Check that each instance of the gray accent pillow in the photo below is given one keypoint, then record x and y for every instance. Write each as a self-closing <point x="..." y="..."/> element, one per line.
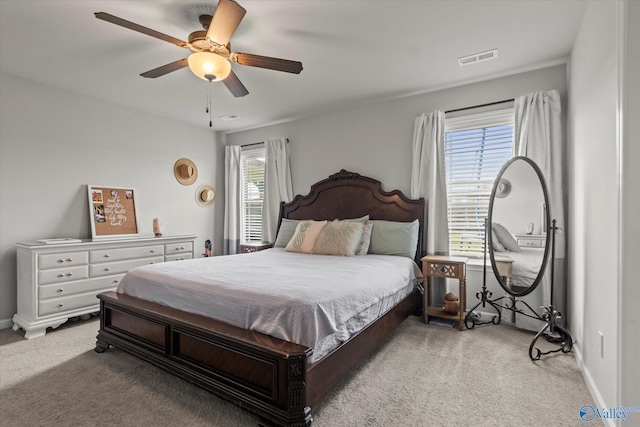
<point x="339" y="238"/>
<point x="497" y="246"/>
<point x="285" y="233"/>
<point x="504" y="237"/>
<point x="394" y="238"/>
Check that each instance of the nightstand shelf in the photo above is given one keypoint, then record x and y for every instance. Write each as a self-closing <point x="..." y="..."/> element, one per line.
<point x="447" y="267"/>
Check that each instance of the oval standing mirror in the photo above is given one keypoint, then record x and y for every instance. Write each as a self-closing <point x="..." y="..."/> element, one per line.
<point x="518" y="226"/>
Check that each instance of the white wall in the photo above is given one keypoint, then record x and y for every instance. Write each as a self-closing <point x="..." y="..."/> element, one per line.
<point x="603" y="256"/>
<point x="629" y="370"/>
<point x="375" y="139"/>
<point x="53" y="143"/>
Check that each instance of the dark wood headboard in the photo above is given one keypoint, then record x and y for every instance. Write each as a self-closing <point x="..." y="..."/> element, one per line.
<point x="351" y="195"/>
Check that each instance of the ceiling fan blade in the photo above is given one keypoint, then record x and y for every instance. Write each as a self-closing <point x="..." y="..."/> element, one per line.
<point x="139" y="28"/>
<point x="224" y="22"/>
<point x="235" y="86"/>
<point x="166" y="69"/>
<point x="277" y="64"/>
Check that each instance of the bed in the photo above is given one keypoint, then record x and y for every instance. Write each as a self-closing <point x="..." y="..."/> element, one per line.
<point x="276" y="378"/>
<point x="523" y="266"/>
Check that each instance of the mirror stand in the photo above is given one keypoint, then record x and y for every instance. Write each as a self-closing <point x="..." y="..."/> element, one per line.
<point x="550" y="315"/>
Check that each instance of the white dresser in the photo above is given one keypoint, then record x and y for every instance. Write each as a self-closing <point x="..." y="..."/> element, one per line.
<point x="59" y="281"/>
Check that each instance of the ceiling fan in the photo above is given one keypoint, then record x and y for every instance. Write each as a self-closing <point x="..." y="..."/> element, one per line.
<point x="211" y="54"/>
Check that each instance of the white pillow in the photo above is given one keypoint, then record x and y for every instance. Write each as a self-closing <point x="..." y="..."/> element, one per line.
<point x="305" y="236"/>
<point x="365" y="240"/>
<point x="505" y="238"/>
<point x="339" y="238"/>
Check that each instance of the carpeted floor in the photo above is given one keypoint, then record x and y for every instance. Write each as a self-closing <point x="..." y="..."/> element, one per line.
<point x="425" y="375"/>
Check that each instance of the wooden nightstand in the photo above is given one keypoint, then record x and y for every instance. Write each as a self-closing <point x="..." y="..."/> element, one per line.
<point x="246" y="248"/>
<point x="448" y="267"/>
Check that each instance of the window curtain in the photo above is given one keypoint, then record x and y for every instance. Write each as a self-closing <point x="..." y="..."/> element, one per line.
<point x="232" y="199"/>
<point x="538" y="136"/>
<point x="429" y="179"/>
<point x="277" y="185"/>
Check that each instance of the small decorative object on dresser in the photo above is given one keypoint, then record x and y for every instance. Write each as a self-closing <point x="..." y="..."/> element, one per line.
<point x="157" y="227"/>
<point x="246" y="248"/>
<point x="60" y="281"/>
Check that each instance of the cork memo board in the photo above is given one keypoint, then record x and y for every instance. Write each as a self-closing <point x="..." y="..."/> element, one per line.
<point x="113" y="211"/>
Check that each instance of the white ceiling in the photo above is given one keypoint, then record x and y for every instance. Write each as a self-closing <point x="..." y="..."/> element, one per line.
<point x="352" y="51"/>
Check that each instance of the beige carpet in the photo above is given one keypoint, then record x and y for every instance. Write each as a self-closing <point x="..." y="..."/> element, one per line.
<point x="426" y="375"/>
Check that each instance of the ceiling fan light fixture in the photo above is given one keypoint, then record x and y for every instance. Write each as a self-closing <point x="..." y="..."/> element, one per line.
<point x="209" y="66"/>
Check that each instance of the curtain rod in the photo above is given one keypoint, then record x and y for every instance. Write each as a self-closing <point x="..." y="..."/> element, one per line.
<point x="479" y="106"/>
<point x="258" y="143"/>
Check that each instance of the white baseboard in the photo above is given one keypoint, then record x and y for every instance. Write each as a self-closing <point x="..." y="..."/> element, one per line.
<point x="593" y="389"/>
<point x="6" y="323"/>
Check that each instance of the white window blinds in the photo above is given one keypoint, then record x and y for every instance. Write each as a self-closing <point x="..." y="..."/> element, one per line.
<point x="252" y="163"/>
<point x="476" y="147"/>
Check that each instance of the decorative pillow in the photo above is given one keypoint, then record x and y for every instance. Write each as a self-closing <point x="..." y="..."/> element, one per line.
<point x="288" y="227"/>
<point x="305" y="236"/>
<point x="394" y="238"/>
<point x="504" y="237"/>
<point x="497" y="246"/>
<point x="365" y="240"/>
<point x="285" y="232"/>
<point x="339" y="238"/>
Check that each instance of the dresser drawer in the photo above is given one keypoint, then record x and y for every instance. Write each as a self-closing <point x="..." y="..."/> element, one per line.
<point x="70" y="288"/>
<point x="108" y="255"/>
<point x="57" y="275"/>
<point x="62" y="259"/>
<point x="178" y="257"/>
<point x="72" y="302"/>
<point x="176" y="248"/>
<point x="109" y="268"/>
<point x="530" y="243"/>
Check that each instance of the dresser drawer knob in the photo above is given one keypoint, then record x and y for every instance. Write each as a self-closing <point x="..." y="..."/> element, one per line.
<point x="60" y="290"/>
<point x="69" y="259"/>
<point x="115" y="280"/>
<point x="179" y="248"/>
<point x="61" y="260"/>
<point x="152" y="262"/>
<point x="60" y="274"/>
<point x="153" y="251"/>
<point x="442" y="269"/>
<point x="107" y="255"/>
<point x="107" y="269"/>
<point x="60" y="305"/>
<point x="69" y="274"/>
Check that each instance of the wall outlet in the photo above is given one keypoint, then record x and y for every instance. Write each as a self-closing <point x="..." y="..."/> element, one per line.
<point x="601" y="344"/>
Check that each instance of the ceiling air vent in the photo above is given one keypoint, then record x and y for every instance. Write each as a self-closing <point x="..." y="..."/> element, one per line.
<point x="229" y="117"/>
<point x="478" y="57"/>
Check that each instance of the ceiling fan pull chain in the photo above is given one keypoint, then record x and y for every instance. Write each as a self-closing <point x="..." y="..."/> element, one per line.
<point x="209" y="101"/>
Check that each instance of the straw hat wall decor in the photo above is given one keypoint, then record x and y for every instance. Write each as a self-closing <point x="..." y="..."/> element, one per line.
<point x="185" y="171"/>
<point x="205" y="194"/>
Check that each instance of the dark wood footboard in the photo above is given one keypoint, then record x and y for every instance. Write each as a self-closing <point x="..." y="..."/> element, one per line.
<point x="267" y="376"/>
<point x="260" y="373"/>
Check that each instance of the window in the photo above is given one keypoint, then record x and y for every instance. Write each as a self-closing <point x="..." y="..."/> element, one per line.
<point x="252" y="164"/>
<point x="476" y="147"/>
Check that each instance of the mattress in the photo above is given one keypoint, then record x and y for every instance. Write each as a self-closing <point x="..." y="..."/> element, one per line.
<point x="318" y="301"/>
